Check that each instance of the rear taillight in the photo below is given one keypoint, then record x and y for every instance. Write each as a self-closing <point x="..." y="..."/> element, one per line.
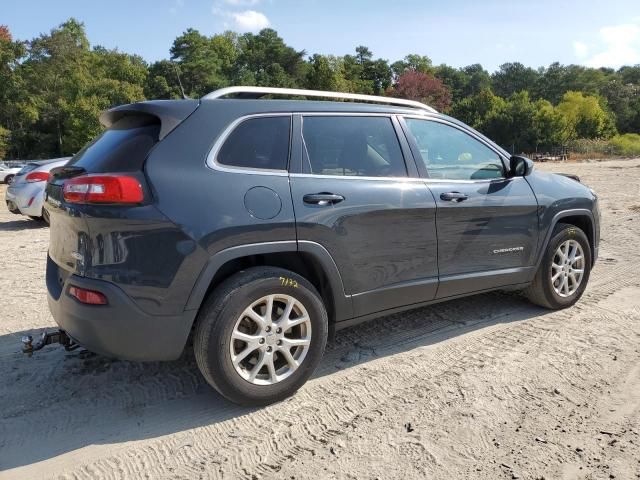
<point x="103" y="189"/>
<point x="37" y="177"/>
<point x="89" y="297"/>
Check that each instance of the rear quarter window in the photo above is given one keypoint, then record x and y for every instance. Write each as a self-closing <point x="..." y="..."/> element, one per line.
<point x="121" y="148"/>
<point x="258" y="143"/>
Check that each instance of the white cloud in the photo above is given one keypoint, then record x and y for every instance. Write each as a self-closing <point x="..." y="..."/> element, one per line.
<point x="242" y="3"/>
<point x="621" y="46"/>
<point x="177" y="5"/>
<point x="581" y="50"/>
<point x="250" y="21"/>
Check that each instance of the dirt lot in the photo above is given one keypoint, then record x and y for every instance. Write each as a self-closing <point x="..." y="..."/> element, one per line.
<point x="485" y="387"/>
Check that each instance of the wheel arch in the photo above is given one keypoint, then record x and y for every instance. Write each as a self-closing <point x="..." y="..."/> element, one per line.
<point x="307" y="259"/>
<point x="581" y="218"/>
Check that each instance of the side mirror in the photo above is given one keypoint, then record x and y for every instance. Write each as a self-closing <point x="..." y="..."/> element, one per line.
<point x="520" y="166"/>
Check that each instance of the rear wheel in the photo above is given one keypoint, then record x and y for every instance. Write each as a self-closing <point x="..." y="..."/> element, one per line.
<point x="564" y="272"/>
<point x="8" y="179"/>
<point x="260" y="335"/>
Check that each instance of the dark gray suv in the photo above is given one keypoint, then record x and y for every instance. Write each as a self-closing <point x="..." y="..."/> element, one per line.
<point x="256" y="226"/>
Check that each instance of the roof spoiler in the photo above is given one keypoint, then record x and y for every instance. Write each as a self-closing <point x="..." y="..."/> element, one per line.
<point x="170" y="113"/>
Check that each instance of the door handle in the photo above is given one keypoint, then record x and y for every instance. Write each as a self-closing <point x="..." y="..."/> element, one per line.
<point x="322" y="199"/>
<point x="453" y="197"/>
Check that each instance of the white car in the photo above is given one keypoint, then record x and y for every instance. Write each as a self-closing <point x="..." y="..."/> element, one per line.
<point x="7" y="173"/>
<point x="25" y="194"/>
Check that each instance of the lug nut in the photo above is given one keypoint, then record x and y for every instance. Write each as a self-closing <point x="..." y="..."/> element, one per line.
<point x="279" y="330"/>
<point x="268" y="329"/>
<point x="269" y="349"/>
<point x="261" y="341"/>
<point x="279" y="342"/>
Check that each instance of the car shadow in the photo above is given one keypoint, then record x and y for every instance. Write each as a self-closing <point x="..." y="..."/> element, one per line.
<point x="57" y="402"/>
<point x="24" y="224"/>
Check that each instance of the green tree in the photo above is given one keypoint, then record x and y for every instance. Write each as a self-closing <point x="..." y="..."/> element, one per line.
<point x="629" y="74"/>
<point x="55" y="72"/>
<point x="414" y="62"/>
<point x="477" y="79"/>
<point x="550" y="125"/>
<point x="512" y="78"/>
<point x="205" y="64"/>
<point x="474" y="110"/>
<point x="322" y="74"/>
<point x="354" y="75"/>
<point x="455" y="80"/>
<point x="162" y="81"/>
<point x="12" y="89"/>
<point x="622" y="100"/>
<point x="266" y="60"/>
<point x="376" y="75"/>
<point x="585" y="116"/>
<point x="4" y="141"/>
<point x="512" y="125"/>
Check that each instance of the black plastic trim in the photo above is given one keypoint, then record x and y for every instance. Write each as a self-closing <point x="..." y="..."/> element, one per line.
<point x="577" y="212"/>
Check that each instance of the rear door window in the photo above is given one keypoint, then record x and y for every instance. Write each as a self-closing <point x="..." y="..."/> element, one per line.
<point x="352" y="146"/>
<point x="121" y="148"/>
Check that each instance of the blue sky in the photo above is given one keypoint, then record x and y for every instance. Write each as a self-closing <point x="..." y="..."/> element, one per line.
<point x="456" y="32"/>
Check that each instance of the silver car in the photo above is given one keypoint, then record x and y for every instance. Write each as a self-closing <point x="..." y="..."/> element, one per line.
<point x="7" y="173"/>
<point x="25" y="195"/>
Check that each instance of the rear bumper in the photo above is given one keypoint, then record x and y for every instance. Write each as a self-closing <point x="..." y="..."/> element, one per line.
<point x="10" y="199"/>
<point x="119" y="329"/>
<point x="28" y="197"/>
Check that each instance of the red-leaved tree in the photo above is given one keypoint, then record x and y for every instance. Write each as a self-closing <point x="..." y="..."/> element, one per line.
<point x="5" y="35"/>
<point x="422" y="87"/>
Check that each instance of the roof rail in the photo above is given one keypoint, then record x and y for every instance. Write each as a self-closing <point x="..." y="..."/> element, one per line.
<point x="257" y="92"/>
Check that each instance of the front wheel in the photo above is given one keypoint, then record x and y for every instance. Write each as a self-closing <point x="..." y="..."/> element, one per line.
<point x="564" y="272"/>
<point x="260" y="335"/>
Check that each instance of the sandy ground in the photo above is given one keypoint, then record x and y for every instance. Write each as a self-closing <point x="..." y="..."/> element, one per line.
<point x="486" y="387"/>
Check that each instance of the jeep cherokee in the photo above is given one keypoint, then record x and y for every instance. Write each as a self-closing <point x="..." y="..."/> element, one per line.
<point x="256" y="226"/>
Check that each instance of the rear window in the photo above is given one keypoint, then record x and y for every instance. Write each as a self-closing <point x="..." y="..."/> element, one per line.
<point x="121" y="148"/>
<point x="27" y="168"/>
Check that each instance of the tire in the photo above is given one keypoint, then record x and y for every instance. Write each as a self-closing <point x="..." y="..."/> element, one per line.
<point x="8" y="179"/>
<point x="224" y="314"/>
<point x="543" y="290"/>
<point x="45" y="216"/>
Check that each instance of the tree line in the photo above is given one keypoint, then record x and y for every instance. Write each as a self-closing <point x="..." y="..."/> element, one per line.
<point x="53" y="88"/>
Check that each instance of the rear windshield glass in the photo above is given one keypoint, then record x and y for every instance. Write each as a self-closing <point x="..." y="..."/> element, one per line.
<point x="121" y="148"/>
<point x="27" y="168"/>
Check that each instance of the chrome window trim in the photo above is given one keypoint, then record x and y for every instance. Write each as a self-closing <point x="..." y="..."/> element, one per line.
<point x="212" y="162"/>
<point x="261" y="91"/>
<point x="356" y="177"/>
<point x="483" y="180"/>
<point x="424" y="115"/>
<point x="472" y="135"/>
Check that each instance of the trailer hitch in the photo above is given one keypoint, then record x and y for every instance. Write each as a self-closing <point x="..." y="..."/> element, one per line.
<point x="48" y="338"/>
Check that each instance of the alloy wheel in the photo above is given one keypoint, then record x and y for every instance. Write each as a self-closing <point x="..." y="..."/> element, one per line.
<point x="567" y="268"/>
<point x="270" y="339"/>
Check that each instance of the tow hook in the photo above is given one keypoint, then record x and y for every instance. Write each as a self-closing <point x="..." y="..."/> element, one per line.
<point x="47" y="338"/>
